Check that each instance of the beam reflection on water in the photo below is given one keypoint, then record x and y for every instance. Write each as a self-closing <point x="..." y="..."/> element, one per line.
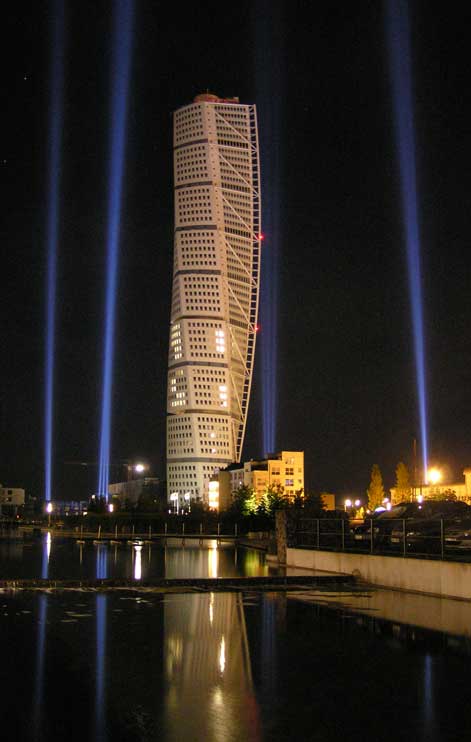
<point x="38" y="695"/>
<point x="101" y="627"/>
<point x="428" y="706"/>
<point x="208" y="671"/>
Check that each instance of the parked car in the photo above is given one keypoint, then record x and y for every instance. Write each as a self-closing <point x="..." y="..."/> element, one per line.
<point x="458" y="535"/>
<point x="384" y="520"/>
<point x="388" y="525"/>
<point x="424" y="533"/>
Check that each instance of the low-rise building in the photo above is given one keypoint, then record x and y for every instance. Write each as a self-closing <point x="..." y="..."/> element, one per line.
<point x="68" y="507"/>
<point x="128" y="493"/>
<point x="284" y="470"/>
<point x="11" y="498"/>
<point x="462" y="490"/>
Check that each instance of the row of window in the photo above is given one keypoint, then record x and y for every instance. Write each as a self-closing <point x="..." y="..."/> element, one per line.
<point x="200" y="279"/>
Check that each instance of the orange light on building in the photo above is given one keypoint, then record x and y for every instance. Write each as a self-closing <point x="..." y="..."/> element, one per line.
<point x="213" y="495"/>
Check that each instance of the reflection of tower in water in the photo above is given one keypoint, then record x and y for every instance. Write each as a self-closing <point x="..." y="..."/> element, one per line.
<point x="207" y="666"/>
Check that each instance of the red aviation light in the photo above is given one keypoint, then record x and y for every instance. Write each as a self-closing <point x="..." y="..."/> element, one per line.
<point x="260" y="237"/>
<point x="257" y="328"/>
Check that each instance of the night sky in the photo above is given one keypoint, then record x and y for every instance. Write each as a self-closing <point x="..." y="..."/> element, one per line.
<point x="346" y="378"/>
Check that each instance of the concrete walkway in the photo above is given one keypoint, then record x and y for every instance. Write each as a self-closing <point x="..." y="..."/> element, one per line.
<point x="216" y="584"/>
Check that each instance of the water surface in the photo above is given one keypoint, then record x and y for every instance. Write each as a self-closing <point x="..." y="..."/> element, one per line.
<point x="221" y="667"/>
<point x="62" y="558"/>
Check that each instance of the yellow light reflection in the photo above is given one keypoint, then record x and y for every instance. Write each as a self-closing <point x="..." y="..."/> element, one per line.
<point x="213" y="560"/>
<point x="222" y="655"/>
<point x="137" y="563"/>
<point x="217" y="697"/>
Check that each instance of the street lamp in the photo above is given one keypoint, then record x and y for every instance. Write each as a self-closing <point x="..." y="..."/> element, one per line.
<point x="434" y="475"/>
<point x="187" y="497"/>
<point x="137" y="468"/>
<point x="174" y="498"/>
<point x="347" y="504"/>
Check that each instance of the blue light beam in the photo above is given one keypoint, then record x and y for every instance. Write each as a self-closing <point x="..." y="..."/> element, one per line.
<point x="120" y="73"/>
<point x="52" y="229"/>
<point x="401" y="79"/>
<point x="270" y="75"/>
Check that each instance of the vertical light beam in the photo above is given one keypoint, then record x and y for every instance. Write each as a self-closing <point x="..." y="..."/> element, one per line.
<point x="120" y="73"/>
<point x="398" y="32"/>
<point x="269" y="75"/>
<point x="55" y="125"/>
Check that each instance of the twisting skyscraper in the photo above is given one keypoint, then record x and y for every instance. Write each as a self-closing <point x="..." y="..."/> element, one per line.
<point x="216" y="277"/>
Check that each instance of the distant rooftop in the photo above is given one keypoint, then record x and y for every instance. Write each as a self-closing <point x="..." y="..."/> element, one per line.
<point x="211" y="98"/>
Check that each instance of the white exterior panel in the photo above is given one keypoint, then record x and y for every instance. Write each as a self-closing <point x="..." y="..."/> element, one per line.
<point x="215" y="289"/>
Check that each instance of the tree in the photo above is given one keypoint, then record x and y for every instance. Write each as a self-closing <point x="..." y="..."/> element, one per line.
<point x="244" y="500"/>
<point x="447" y="494"/>
<point x="148" y="499"/>
<point x="403" y="486"/>
<point x="97" y="504"/>
<point x="314" y="503"/>
<point x="274" y="498"/>
<point x="375" y="491"/>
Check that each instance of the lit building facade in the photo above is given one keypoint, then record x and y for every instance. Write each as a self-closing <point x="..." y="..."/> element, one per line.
<point x="11" y="498"/>
<point x="462" y="490"/>
<point x="216" y="278"/>
<point x="130" y="492"/>
<point x="284" y="469"/>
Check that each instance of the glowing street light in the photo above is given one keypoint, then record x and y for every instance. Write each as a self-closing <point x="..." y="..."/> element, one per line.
<point x="49" y="509"/>
<point x="175" y="499"/>
<point x="187" y="497"/>
<point x="137" y="467"/>
<point x="434" y="476"/>
<point x="347" y="504"/>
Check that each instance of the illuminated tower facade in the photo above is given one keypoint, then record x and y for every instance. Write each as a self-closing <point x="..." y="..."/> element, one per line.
<point x="216" y="278"/>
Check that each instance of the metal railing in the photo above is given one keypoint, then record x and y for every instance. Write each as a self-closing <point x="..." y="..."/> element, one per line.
<point x="432" y="538"/>
<point x="169" y="529"/>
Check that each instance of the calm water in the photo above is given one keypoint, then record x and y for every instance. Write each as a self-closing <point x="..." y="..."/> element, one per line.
<point x="60" y="558"/>
<point x="222" y="666"/>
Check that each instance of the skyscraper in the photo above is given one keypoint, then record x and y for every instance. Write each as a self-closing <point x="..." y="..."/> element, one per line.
<point x="216" y="278"/>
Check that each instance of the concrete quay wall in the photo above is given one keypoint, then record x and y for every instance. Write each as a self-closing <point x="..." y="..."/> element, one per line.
<point x="431" y="577"/>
